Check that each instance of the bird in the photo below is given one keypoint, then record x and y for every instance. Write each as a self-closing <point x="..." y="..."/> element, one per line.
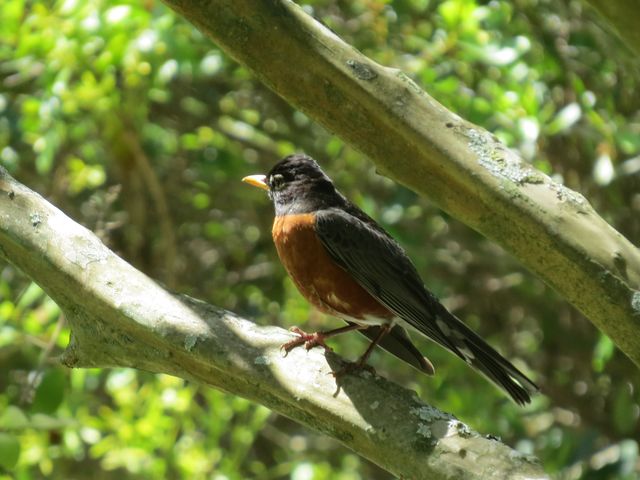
<point x="346" y="265"/>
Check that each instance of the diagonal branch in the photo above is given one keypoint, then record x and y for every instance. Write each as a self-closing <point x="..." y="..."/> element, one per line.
<point x="413" y="139"/>
<point x="617" y="14"/>
<point x="120" y="317"/>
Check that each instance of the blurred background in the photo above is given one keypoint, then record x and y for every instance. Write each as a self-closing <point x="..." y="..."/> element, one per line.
<point x="129" y="120"/>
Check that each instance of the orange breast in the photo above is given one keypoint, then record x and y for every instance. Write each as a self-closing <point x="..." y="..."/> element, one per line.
<point x="323" y="283"/>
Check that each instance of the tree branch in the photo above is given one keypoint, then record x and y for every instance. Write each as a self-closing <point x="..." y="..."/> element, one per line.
<point x="121" y="318"/>
<point x="617" y="14"/>
<point x="413" y="139"/>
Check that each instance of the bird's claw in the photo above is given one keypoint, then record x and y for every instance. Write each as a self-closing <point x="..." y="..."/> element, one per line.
<point x="309" y="340"/>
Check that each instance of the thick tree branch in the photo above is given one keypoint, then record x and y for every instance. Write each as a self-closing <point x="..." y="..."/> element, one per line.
<point x="620" y="14"/>
<point x="416" y="141"/>
<point x="120" y="317"/>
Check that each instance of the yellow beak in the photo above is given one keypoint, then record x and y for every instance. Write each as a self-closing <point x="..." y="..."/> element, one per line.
<point x="259" y="181"/>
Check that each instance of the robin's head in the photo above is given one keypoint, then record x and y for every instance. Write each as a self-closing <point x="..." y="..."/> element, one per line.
<point x="297" y="184"/>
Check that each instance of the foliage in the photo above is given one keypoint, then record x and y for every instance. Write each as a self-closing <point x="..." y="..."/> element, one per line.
<point x="133" y="123"/>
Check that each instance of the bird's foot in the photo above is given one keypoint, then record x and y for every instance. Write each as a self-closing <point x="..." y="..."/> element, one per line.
<point x="309" y="340"/>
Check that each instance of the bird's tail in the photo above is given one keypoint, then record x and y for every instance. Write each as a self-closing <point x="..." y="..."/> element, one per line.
<point x="468" y="345"/>
<point x="398" y="343"/>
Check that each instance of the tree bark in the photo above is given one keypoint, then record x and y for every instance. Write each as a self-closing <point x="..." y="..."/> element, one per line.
<point x="620" y="15"/>
<point x="121" y="318"/>
<point x="414" y="140"/>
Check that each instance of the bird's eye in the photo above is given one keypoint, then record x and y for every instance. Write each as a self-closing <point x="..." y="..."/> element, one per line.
<point x="276" y="181"/>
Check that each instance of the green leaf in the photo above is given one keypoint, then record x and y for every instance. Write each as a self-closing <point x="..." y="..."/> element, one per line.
<point x="40" y="421"/>
<point x="50" y="392"/>
<point x="9" y="450"/>
<point x="602" y="353"/>
<point x="13" y="418"/>
<point x="623" y="409"/>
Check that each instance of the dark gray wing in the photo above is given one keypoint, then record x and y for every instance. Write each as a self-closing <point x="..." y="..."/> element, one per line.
<point x="382" y="268"/>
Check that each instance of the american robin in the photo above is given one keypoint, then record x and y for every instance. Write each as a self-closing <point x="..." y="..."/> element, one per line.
<point x="347" y="265"/>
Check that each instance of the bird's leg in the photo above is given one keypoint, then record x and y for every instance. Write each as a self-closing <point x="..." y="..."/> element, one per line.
<point x="384" y="329"/>
<point x="361" y="363"/>
<point x="310" y="340"/>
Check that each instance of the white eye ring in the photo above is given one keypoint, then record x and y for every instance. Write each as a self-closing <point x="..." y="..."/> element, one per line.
<point x="276" y="181"/>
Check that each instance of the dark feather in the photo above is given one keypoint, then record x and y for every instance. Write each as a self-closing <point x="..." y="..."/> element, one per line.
<point x="380" y="266"/>
<point x="398" y="343"/>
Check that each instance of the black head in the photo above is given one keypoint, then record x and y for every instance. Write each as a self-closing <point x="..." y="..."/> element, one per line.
<point x="297" y="184"/>
<point x="296" y="171"/>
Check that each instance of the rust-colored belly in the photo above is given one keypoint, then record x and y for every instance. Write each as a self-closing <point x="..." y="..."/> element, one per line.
<point x="323" y="283"/>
